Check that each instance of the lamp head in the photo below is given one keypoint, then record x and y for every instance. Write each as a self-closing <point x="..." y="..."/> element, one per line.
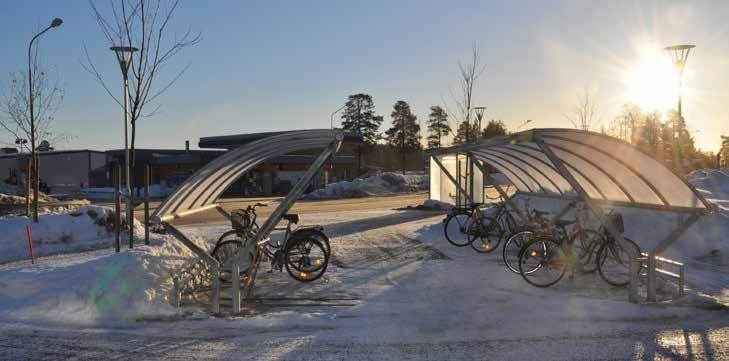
<point x="56" y="22"/>
<point x="679" y="54"/>
<point x="479" y="111"/>
<point x="124" y="56"/>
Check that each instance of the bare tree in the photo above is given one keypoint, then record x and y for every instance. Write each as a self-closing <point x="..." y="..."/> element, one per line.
<point x="463" y="101"/>
<point x="15" y="112"/>
<point x="584" y="114"/>
<point x="142" y="24"/>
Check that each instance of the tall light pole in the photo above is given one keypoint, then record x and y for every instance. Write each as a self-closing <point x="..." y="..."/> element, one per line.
<point x="34" y="154"/>
<point x="679" y="55"/>
<point x="331" y="159"/>
<point x="124" y="56"/>
<point x="331" y="117"/>
<point x="523" y="124"/>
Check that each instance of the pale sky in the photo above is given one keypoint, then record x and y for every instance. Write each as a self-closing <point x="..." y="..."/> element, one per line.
<point x="277" y="65"/>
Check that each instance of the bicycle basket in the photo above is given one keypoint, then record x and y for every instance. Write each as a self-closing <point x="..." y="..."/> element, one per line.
<point x="616" y="219"/>
<point x="240" y="220"/>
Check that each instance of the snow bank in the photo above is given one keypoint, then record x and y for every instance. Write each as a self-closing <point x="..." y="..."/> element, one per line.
<point x="88" y="227"/>
<point x="714" y="185"/>
<point x="11" y="194"/>
<point x="155" y="191"/>
<point x="108" y="289"/>
<point x="380" y="184"/>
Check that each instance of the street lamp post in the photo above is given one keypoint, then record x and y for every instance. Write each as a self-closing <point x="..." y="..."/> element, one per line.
<point x="331" y="117"/>
<point x="124" y="56"/>
<point x="523" y="124"/>
<point x="34" y="155"/>
<point x="329" y="175"/>
<point x="479" y="115"/>
<point x="679" y="55"/>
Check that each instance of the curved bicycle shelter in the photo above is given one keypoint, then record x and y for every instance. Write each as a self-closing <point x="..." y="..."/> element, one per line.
<point x="568" y="165"/>
<point x="202" y="190"/>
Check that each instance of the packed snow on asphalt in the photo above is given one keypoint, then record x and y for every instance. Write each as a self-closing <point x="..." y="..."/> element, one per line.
<point x="395" y="289"/>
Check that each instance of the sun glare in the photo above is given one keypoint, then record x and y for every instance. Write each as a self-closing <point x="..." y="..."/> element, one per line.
<point x="653" y="83"/>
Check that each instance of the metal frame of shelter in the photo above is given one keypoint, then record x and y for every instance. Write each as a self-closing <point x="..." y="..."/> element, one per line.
<point x="201" y="191"/>
<point x="594" y="168"/>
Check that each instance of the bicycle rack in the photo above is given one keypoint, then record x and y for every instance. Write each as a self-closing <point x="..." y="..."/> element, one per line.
<point x="201" y="191"/>
<point x="652" y="271"/>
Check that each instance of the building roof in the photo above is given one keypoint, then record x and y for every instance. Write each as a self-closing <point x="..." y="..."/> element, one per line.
<point x="52" y="152"/>
<point x="236" y="140"/>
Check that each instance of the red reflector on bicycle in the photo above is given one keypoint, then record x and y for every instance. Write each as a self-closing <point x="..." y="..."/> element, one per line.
<point x="303" y="274"/>
<point x="486" y="246"/>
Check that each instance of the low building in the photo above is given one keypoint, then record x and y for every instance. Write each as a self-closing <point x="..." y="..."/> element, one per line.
<point x="64" y="171"/>
<point x="276" y="176"/>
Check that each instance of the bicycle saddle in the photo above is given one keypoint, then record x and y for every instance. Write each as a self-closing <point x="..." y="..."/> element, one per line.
<point x="291" y="217"/>
<point x="564" y="222"/>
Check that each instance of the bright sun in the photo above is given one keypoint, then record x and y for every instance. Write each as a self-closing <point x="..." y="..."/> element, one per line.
<point x="653" y="83"/>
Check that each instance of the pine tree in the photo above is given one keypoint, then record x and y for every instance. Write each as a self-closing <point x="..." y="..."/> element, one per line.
<point x="437" y="126"/>
<point x="404" y="135"/>
<point x="466" y="133"/>
<point x="359" y="116"/>
<point x="495" y="128"/>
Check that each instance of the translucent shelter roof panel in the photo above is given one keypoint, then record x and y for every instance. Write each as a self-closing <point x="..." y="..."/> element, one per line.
<point x="662" y="181"/>
<point x="204" y="187"/>
<point x="605" y="167"/>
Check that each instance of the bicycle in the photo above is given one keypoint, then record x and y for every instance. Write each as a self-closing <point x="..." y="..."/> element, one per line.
<point x="488" y="231"/>
<point x="536" y="222"/>
<point x="551" y="253"/>
<point x="304" y="251"/>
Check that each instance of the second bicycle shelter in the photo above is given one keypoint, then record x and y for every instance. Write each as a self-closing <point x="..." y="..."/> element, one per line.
<point x="572" y="165"/>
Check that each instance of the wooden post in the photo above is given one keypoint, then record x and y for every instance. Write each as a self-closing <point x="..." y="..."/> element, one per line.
<point x="117" y="207"/>
<point x="146" y="204"/>
<point x="130" y="204"/>
<point x="28" y="180"/>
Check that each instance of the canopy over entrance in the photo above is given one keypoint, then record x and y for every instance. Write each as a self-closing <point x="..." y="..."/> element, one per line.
<point x="607" y="169"/>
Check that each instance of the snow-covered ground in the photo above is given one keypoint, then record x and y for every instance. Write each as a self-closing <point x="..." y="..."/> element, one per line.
<point x="62" y="230"/>
<point x="394" y="284"/>
<point x="714" y="185"/>
<point x="379" y="184"/>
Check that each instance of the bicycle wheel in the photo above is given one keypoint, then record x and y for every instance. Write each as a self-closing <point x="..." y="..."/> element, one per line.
<point x="485" y="236"/>
<point x="542" y="262"/>
<point x="226" y="249"/>
<point x="456" y="229"/>
<point x="229" y="235"/>
<point x="306" y="259"/>
<point x="614" y="262"/>
<point x="585" y="247"/>
<point x="512" y="247"/>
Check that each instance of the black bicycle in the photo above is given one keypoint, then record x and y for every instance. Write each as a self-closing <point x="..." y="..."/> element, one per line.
<point x="304" y="251"/>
